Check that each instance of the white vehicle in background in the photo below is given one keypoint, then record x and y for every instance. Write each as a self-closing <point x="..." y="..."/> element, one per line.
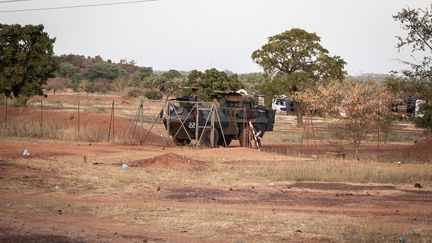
<point x="418" y="104"/>
<point x="280" y="104"/>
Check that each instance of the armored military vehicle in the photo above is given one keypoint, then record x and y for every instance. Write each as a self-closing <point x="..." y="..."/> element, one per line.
<point x="189" y="119"/>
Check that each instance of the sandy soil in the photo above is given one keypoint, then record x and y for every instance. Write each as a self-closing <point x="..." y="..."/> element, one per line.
<point x="32" y="211"/>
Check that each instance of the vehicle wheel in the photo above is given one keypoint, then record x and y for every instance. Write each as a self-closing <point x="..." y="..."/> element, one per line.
<point x="228" y="140"/>
<point x="206" y="137"/>
<point x="181" y="142"/>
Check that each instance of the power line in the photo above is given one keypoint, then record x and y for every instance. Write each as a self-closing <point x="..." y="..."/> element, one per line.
<point x="13" y="1"/>
<point x="74" y="6"/>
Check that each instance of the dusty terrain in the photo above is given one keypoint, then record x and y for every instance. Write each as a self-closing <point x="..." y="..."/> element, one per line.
<point x="87" y="191"/>
<point x="79" y="192"/>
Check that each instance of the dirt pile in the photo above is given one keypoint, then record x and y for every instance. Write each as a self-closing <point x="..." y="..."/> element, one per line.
<point x="171" y="161"/>
<point x="422" y="150"/>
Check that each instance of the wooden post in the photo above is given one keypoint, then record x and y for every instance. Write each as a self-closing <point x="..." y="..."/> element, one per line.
<point x="78" y="137"/>
<point x="113" y="109"/>
<point x="111" y="121"/>
<point x="212" y="126"/>
<point x="168" y="120"/>
<point x="6" y="112"/>
<point x="197" y="138"/>
<point x="141" y="122"/>
<point x="379" y="143"/>
<point x="41" y="117"/>
<point x="244" y="133"/>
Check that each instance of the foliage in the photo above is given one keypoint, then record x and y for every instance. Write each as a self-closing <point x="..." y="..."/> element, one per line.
<point x="120" y="84"/>
<point x="426" y="120"/>
<point x="360" y="107"/>
<point x="103" y="71"/>
<point x="253" y="81"/>
<point x="298" y="52"/>
<point x="417" y="80"/>
<point x="161" y="83"/>
<point x="67" y="70"/>
<point x="153" y="95"/>
<point x="296" y="61"/>
<point x="133" y="92"/>
<point x="212" y="80"/>
<point x="87" y="86"/>
<point x="26" y="59"/>
<point x="172" y="74"/>
<point x="140" y="75"/>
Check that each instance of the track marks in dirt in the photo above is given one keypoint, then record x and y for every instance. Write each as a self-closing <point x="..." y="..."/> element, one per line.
<point x="345" y="198"/>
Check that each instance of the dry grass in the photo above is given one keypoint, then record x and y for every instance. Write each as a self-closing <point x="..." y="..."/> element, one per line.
<point x="227" y="223"/>
<point x="345" y="171"/>
<point x="215" y="221"/>
<point x="26" y="128"/>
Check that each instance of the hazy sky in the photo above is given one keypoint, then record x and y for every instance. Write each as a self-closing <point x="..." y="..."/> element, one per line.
<point x="199" y="34"/>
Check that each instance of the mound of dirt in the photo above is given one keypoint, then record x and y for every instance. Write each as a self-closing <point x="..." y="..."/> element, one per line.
<point x="422" y="150"/>
<point x="170" y="161"/>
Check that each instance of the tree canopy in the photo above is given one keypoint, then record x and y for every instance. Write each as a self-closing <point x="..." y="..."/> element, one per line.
<point x="299" y="55"/>
<point x="26" y="59"/>
<point x="103" y="71"/>
<point x="417" y="79"/>
<point x="295" y="60"/>
<point x="213" y="80"/>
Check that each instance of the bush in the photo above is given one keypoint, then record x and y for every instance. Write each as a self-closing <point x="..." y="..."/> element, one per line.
<point x="133" y="93"/>
<point x="153" y="95"/>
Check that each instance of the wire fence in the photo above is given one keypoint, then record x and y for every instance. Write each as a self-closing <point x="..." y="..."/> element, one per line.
<point x="141" y="122"/>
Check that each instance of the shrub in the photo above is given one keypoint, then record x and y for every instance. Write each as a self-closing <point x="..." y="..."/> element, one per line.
<point x="133" y="93"/>
<point x="153" y="95"/>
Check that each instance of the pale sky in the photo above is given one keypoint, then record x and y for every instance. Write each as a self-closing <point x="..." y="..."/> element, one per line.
<point x="200" y="34"/>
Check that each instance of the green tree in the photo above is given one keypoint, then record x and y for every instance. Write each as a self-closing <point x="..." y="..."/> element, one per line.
<point x="253" y="81"/>
<point x="417" y="80"/>
<point x="103" y="71"/>
<point x="69" y="71"/>
<point x="172" y="74"/>
<point x="213" y="80"/>
<point x="141" y="74"/>
<point x="298" y="60"/>
<point x="26" y="59"/>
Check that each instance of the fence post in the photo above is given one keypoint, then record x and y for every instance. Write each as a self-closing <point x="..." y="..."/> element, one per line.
<point x="78" y="137"/>
<point x="6" y="112"/>
<point x="111" y="122"/>
<point x="113" y="108"/>
<point x="379" y="138"/>
<point x="212" y="126"/>
<point x="41" y="130"/>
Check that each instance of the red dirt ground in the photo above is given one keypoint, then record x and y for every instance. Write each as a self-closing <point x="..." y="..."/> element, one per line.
<point x="388" y="203"/>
